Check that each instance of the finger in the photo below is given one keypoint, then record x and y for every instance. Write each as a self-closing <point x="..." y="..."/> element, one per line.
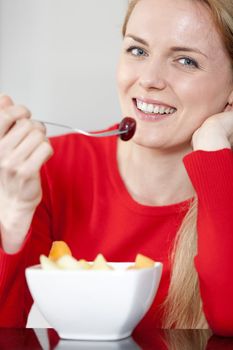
<point x="14" y="136"/>
<point x="39" y="126"/>
<point x="5" y="101"/>
<point x="17" y="134"/>
<point x="33" y="164"/>
<point x="10" y="115"/>
<point x="33" y="124"/>
<point x="228" y="108"/>
<point x="25" y="148"/>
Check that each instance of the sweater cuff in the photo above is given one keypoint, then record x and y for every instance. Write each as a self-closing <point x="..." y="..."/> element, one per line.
<point x="211" y="172"/>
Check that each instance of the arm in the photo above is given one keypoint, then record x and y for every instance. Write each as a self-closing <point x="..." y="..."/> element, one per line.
<point x="212" y="176"/>
<point x="210" y="168"/>
<point x="23" y="149"/>
<point x="15" y="299"/>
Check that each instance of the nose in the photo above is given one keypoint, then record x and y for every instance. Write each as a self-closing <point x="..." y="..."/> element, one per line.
<point x="153" y="76"/>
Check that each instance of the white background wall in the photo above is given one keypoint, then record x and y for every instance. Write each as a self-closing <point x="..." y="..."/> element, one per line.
<point x="59" y="58"/>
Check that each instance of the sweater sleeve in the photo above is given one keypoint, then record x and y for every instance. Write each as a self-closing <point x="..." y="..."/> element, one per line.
<point x="15" y="298"/>
<point x="211" y="174"/>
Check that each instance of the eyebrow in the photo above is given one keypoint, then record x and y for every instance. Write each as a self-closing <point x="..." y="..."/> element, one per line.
<point x="136" y="38"/>
<point x="173" y="49"/>
<point x="187" y="49"/>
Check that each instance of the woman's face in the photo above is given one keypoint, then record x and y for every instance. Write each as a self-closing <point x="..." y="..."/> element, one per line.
<point x="173" y="73"/>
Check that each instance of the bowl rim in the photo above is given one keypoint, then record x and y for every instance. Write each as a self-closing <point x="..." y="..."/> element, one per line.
<point x="38" y="269"/>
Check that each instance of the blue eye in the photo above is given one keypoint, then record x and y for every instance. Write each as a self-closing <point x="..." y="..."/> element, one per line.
<point x="136" y="51"/>
<point x="189" y="62"/>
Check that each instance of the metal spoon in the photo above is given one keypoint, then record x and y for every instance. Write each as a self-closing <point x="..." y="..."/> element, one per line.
<point x="87" y="133"/>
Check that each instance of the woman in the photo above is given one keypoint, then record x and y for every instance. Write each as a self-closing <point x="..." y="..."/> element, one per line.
<point x="119" y="198"/>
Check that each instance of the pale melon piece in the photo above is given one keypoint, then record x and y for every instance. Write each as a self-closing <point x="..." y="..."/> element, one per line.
<point x="47" y="264"/>
<point x="142" y="262"/>
<point x="68" y="262"/>
<point x="100" y="263"/>
<point x="132" y="267"/>
<point x="85" y="265"/>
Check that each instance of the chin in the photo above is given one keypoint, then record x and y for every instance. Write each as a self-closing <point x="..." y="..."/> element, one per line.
<point x="148" y="140"/>
<point x="160" y="143"/>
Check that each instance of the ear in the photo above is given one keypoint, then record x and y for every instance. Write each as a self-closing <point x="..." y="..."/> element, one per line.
<point x="229" y="105"/>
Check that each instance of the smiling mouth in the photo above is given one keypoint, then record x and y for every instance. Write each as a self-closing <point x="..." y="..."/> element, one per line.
<point x="156" y="109"/>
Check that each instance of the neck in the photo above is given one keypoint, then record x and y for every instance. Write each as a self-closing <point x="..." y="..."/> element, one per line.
<point x="152" y="176"/>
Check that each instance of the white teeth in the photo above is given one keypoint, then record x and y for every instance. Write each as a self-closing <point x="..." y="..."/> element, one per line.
<point x="161" y="110"/>
<point x="139" y="104"/>
<point x="144" y="107"/>
<point x="150" y="108"/>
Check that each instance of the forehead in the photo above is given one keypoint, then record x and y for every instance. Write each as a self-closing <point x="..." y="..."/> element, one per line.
<point x="175" y="22"/>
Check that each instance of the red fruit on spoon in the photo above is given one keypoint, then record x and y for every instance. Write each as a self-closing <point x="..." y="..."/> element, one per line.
<point x="128" y="124"/>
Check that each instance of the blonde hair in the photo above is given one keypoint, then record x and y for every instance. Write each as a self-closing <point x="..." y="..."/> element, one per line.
<point x="186" y="339"/>
<point x="183" y="304"/>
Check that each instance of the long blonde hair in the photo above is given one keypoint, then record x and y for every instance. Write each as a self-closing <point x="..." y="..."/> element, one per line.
<point x="186" y="339"/>
<point x="183" y="305"/>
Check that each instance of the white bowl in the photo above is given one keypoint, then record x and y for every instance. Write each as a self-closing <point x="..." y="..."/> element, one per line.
<point x="94" y="305"/>
<point x="123" y="344"/>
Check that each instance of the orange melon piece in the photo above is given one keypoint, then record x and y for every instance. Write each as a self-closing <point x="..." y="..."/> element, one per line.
<point x="58" y="249"/>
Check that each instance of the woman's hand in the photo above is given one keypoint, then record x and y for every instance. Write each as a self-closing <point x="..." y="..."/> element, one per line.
<point x="23" y="150"/>
<point x="215" y="133"/>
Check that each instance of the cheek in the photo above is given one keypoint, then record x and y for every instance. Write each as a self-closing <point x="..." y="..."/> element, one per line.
<point x="190" y="91"/>
<point x="125" y="76"/>
<point x="122" y="82"/>
<point x="121" y="85"/>
<point x="202" y="96"/>
<point x="120" y="79"/>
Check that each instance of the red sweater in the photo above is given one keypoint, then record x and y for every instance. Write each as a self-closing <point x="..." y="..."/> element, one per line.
<point x="86" y="204"/>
